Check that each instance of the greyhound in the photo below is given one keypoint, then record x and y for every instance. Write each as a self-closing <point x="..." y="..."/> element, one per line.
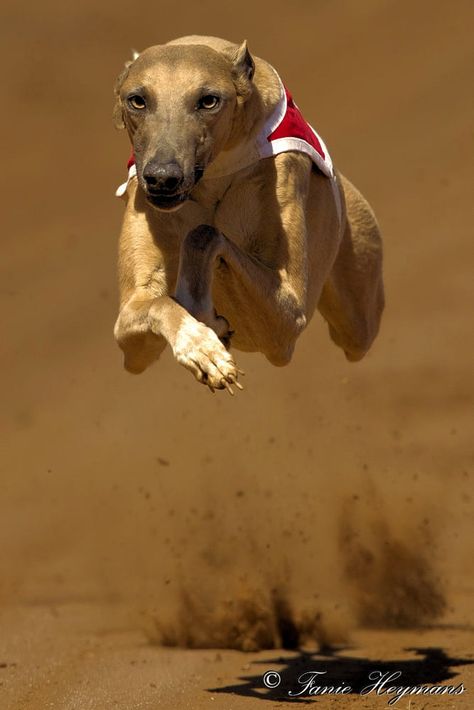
<point x="228" y="238"/>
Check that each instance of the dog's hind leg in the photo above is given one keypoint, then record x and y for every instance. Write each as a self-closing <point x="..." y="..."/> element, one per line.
<point x="352" y="299"/>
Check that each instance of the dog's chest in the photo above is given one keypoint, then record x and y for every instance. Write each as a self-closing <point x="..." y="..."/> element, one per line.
<point x="233" y="208"/>
<point x="241" y="212"/>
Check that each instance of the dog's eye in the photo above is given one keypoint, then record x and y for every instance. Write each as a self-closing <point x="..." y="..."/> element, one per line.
<point x="208" y="102"/>
<point x="137" y="102"/>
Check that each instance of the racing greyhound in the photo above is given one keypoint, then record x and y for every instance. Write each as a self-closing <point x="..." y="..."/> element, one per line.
<point x="237" y="226"/>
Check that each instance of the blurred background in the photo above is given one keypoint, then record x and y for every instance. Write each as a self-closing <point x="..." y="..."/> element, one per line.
<point x="347" y="487"/>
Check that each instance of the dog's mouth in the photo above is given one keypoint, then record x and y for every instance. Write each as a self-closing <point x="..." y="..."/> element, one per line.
<point x="166" y="202"/>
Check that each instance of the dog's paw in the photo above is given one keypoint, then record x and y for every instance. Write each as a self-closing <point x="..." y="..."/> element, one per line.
<point x="199" y="349"/>
<point x="218" y="324"/>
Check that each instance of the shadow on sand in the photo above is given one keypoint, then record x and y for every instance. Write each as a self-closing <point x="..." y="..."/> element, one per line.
<point x="432" y="666"/>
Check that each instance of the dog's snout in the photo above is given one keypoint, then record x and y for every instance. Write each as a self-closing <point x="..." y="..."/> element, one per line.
<point x="163" y="177"/>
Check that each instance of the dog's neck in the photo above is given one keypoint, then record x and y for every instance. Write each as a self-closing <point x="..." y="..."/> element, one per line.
<point x="251" y="117"/>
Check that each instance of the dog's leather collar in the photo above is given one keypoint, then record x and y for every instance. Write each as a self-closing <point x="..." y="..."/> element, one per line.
<point x="284" y="130"/>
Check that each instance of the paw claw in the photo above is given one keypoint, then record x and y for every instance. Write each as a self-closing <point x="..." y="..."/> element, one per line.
<point x="227" y="386"/>
<point x="199" y="349"/>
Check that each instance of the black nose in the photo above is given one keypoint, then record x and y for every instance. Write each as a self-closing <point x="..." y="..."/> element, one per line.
<point x="162" y="177"/>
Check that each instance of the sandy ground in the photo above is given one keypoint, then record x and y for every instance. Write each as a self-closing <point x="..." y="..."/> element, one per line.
<point x="328" y="500"/>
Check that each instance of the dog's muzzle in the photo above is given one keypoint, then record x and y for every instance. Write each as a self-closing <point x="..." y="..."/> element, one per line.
<point x="165" y="185"/>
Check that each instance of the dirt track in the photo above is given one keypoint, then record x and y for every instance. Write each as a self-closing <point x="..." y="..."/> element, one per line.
<point x="140" y="510"/>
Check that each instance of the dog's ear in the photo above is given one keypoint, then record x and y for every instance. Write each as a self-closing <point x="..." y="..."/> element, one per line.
<point x="117" y="114"/>
<point x="243" y="69"/>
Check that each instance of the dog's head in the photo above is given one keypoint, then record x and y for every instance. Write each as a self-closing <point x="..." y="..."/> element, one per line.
<point x="178" y="103"/>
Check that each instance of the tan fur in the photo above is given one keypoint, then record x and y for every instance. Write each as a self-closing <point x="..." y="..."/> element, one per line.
<point x="271" y="251"/>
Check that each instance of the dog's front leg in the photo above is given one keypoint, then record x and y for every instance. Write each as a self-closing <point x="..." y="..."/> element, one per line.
<point x="144" y="326"/>
<point x="198" y="255"/>
<point x="265" y="304"/>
